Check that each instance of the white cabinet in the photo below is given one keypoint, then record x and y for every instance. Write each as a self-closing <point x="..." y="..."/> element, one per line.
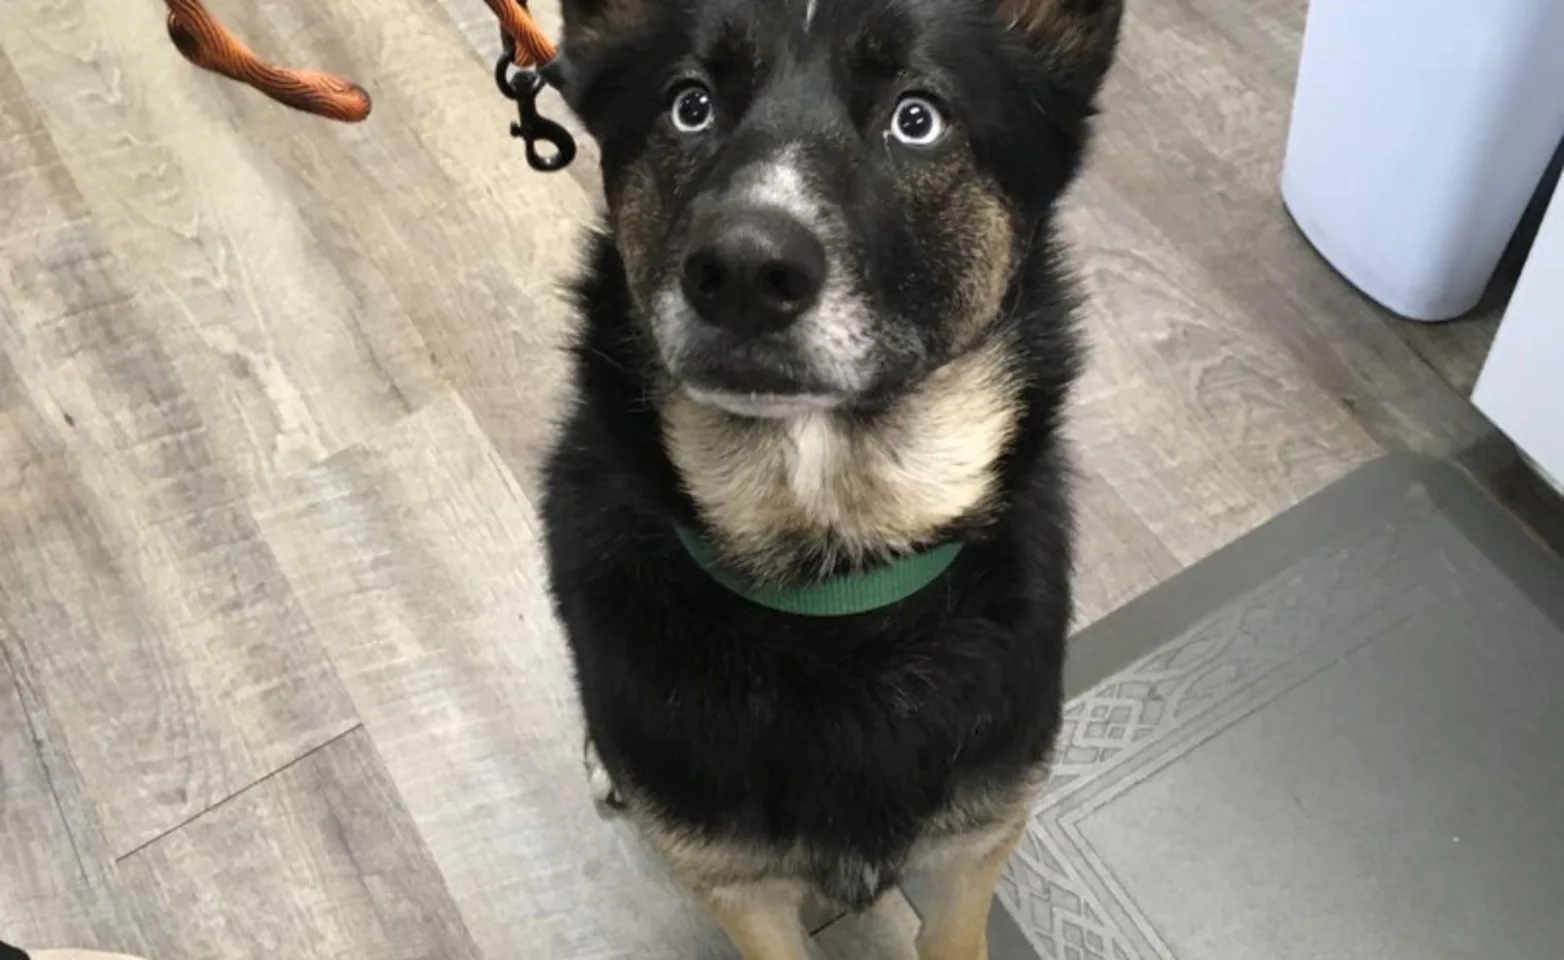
<point x="1522" y="384"/>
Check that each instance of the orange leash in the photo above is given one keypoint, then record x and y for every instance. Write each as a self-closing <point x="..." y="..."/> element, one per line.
<point x="533" y="49"/>
<point x="211" y="46"/>
<point x="205" y="42"/>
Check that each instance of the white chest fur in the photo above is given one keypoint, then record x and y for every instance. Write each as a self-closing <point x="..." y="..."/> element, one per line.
<point x="843" y="486"/>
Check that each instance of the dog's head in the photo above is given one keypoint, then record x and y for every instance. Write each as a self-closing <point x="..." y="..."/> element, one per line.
<point x="818" y="201"/>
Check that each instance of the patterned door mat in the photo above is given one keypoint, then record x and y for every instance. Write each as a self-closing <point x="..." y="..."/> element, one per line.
<point x="1341" y="737"/>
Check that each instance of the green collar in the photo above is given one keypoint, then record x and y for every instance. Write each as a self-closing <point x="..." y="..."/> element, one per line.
<point x="839" y="597"/>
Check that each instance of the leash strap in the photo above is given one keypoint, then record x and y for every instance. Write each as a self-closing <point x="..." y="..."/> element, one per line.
<point x="529" y="47"/>
<point x="204" y="41"/>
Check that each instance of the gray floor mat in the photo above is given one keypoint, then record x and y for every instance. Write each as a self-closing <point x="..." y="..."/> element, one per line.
<point x="1350" y="745"/>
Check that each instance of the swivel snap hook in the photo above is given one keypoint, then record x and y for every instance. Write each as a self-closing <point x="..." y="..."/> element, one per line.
<point x="523" y="86"/>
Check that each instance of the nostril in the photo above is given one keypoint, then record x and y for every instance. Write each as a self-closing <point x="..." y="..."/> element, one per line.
<point x="784" y="285"/>
<point x="704" y="274"/>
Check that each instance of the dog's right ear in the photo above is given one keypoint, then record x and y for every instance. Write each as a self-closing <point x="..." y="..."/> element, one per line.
<point x="1078" y="37"/>
<point x="590" y="23"/>
<point x="592" y="29"/>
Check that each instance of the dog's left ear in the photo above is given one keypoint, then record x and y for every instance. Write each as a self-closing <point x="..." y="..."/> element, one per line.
<point x="1078" y="37"/>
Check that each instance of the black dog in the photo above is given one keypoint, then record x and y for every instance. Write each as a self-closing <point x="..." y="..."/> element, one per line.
<point x="807" y="521"/>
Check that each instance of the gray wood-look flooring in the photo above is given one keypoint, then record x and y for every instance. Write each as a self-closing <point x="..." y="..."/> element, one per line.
<point x="278" y="677"/>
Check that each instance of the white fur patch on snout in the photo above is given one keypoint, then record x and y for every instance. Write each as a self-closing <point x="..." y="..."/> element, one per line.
<point x="778" y="182"/>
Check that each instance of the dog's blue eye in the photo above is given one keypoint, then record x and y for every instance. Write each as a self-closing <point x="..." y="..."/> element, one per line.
<point x="692" y="109"/>
<point x="917" y="122"/>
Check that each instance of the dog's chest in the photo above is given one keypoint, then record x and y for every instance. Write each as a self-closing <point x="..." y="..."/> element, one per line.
<point x="829" y="486"/>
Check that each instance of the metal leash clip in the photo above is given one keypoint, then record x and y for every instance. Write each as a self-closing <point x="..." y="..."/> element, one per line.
<point x="523" y="86"/>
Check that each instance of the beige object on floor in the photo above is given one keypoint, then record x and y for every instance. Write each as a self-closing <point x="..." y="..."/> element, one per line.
<point x="78" y="955"/>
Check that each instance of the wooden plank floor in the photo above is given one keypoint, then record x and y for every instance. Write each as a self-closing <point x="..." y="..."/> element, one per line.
<point x="278" y="676"/>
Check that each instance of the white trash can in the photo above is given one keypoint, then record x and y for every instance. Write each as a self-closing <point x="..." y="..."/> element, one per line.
<point x="1420" y="131"/>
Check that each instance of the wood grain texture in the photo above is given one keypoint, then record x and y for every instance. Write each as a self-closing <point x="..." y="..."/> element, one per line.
<point x="1193" y="141"/>
<point x="418" y="560"/>
<point x="58" y="884"/>
<point x="1197" y="416"/>
<point x="203" y="236"/>
<point x="1118" y="557"/>
<point x="317" y="860"/>
<point x="434" y="201"/>
<point x="131" y="576"/>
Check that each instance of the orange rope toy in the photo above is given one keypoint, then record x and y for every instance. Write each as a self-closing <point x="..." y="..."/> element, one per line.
<point x="205" y="42"/>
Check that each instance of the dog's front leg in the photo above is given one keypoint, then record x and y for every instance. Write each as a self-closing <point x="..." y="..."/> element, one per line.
<point x="955" y="921"/>
<point x="761" y="919"/>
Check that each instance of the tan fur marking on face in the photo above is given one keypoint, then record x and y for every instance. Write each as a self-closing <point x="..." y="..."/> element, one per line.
<point x="962" y="214"/>
<point x="851" y="491"/>
<point x="990" y="266"/>
<point x="636" y="216"/>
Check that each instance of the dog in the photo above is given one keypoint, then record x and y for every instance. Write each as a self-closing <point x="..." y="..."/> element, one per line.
<point x="807" y="518"/>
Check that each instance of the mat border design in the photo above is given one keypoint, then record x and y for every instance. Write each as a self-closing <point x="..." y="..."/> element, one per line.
<point x="1176" y="696"/>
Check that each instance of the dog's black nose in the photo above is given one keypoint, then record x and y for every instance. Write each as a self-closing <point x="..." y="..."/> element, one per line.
<point x="753" y="272"/>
